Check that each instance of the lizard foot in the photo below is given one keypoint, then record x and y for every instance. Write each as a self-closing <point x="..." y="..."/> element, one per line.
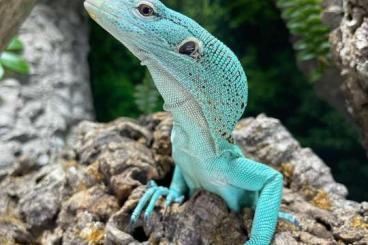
<point x="152" y="195"/>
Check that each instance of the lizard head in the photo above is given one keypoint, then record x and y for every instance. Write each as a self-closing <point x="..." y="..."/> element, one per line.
<point x="185" y="61"/>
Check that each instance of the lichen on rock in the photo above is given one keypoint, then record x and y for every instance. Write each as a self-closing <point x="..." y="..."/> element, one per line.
<point x="87" y="195"/>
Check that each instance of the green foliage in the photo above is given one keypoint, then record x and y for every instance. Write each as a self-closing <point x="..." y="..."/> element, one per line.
<point x="147" y="98"/>
<point x="206" y="12"/>
<point x="11" y="59"/>
<point x="14" y="62"/>
<point x="303" y="18"/>
<point x="15" y="45"/>
<point x="114" y="74"/>
<point x="2" y="71"/>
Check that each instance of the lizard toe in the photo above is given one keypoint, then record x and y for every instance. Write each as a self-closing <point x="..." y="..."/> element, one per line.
<point x="142" y="203"/>
<point x="156" y="196"/>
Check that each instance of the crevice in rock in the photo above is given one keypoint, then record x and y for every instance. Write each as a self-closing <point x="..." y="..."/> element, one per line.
<point x="325" y="224"/>
<point x="139" y="234"/>
<point x="166" y="181"/>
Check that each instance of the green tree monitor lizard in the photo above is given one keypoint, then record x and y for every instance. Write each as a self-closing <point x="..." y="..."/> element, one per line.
<point x="205" y="88"/>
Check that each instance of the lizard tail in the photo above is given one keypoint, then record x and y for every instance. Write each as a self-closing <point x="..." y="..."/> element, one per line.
<point x="289" y="218"/>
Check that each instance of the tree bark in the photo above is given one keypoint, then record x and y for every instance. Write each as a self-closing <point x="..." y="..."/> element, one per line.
<point x="12" y="15"/>
<point x="345" y="86"/>
<point x="350" y="49"/>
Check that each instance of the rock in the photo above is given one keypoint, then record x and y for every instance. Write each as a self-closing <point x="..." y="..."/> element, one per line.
<point x="284" y="238"/>
<point x="94" y="201"/>
<point x="87" y="195"/>
<point x="38" y="111"/>
<point x="13" y="230"/>
<point x="257" y="136"/>
<point x="86" y="230"/>
<point x="52" y="238"/>
<point x="40" y="206"/>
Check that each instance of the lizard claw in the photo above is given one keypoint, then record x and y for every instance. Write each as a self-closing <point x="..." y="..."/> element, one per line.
<point x="130" y="226"/>
<point x="151" y="184"/>
<point x="151" y="197"/>
<point x="173" y="196"/>
<point x="165" y="211"/>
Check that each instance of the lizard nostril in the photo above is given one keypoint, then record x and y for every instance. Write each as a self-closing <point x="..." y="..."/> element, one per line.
<point x="191" y="47"/>
<point x="188" y="48"/>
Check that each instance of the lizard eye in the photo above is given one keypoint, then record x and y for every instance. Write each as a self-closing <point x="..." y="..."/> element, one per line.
<point x="188" y="48"/>
<point x="146" y="10"/>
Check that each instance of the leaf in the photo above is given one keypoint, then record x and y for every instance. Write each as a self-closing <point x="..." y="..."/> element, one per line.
<point x="300" y="45"/>
<point x="15" y="45"/>
<point x="146" y="96"/>
<point x="2" y="72"/>
<point x="315" y="75"/>
<point x="14" y="62"/>
<point x="303" y="19"/>
<point x="304" y="56"/>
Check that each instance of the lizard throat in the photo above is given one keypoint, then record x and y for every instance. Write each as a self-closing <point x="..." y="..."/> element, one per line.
<point x="170" y="107"/>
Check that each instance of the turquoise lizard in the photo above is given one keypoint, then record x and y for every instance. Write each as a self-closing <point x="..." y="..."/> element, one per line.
<point x="205" y="88"/>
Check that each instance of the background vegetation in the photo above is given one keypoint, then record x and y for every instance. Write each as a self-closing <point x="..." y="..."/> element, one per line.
<point x="256" y="32"/>
<point x="11" y="59"/>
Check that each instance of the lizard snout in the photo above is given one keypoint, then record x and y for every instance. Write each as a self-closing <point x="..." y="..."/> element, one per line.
<point x="94" y="3"/>
<point x="92" y="7"/>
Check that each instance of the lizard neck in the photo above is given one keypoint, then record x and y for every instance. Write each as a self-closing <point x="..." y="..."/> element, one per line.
<point x="190" y="132"/>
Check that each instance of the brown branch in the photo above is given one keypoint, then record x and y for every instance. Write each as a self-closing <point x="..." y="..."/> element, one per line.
<point x="12" y="15"/>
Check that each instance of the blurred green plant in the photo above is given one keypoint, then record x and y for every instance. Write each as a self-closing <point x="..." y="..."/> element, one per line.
<point x="114" y="74"/>
<point x="303" y="19"/>
<point x="147" y="98"/>
<point x="11" y="60"/>
<point x="208" y="13"/>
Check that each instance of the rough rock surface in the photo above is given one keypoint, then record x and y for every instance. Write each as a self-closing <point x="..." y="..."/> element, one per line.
<point x="87" y="195"/>
<point x="350" y="48"/>
<point x="37" y="111"/>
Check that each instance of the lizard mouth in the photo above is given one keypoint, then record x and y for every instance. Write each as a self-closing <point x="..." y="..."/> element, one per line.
<point x="93" y="8"/>
<point x="96" y="3"/>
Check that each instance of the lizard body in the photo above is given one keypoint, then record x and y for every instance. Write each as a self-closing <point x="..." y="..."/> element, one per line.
<point x="205" y="88"/>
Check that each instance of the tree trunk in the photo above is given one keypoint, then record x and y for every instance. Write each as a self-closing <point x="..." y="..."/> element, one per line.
<point x="12" y="15"/>
<point x="350" y="48"/>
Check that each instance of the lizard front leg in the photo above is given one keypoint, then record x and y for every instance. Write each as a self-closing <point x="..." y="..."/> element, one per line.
<point x="253" y="176"/>
<point x="175" y="193"/>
